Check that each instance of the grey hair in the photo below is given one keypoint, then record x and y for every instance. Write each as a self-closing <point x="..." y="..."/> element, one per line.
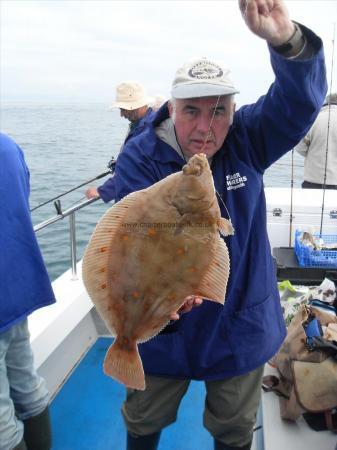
<point x="173" y="103"/>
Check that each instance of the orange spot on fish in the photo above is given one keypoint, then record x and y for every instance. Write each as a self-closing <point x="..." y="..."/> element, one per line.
<point x="135" y="294"/>
<point x="103" y="286"/>
<point x="103" y="249"/>
<point x="152" y="232"/>
<point x="125" y="237"/>
<point x="192" y="269"/>
<point x="102" y="269"/>
<point x="180" y="251"/>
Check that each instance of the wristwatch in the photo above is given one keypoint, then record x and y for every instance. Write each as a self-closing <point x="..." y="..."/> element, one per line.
<point x="294" y="45"/>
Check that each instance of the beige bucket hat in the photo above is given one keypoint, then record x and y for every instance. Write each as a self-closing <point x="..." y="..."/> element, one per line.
<point x="131" y="95"/>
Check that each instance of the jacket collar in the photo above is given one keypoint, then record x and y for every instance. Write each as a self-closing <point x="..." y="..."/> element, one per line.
<point x="161" y="151"/>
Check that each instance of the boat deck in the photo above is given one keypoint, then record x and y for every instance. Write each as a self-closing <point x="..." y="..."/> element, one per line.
<point x="86" y="411"/>
<point x="86" y="415"/>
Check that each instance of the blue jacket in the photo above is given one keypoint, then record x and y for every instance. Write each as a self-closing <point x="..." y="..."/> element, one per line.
<point x="107" y="190"/>
<point x="24" y="282"/>
<point x="214" y="341"/>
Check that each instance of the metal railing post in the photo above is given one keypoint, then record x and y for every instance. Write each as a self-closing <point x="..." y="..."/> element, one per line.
<point x="72" y="224"/>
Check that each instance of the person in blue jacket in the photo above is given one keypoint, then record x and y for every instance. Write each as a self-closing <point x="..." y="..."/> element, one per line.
<point x="24" y="287"/>
<point x="133" y="104"/>
<point x="225" y="346"/>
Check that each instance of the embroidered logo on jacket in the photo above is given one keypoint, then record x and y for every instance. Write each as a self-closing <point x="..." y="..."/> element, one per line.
<point x="235" y="181"/>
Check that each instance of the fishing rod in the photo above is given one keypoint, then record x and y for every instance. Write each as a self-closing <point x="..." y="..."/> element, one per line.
<point x="328" y="131"/>
<point x="111" y="166"/>
<point x="291" y="197"/>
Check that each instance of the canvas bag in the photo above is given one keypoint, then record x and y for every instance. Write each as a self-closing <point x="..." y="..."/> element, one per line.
<point x="307" y="380"/>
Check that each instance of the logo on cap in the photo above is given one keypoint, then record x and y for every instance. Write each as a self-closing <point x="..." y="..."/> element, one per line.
<point x="205" y="70"/>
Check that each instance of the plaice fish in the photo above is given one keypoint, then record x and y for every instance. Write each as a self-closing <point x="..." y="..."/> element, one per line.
<point x="147" y="254"/>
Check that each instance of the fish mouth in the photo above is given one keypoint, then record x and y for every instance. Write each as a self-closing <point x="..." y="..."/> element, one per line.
<point x="196" y="165"/>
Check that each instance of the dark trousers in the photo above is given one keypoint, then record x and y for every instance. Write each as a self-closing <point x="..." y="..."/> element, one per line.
<point x="309" y="185"/>
<point x="230" y="407"/>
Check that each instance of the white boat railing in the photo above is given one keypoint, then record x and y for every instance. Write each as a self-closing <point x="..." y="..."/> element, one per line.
<point x="71" y="213"/>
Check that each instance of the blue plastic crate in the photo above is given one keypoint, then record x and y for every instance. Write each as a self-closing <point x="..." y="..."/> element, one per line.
<point x="307" y="257"/>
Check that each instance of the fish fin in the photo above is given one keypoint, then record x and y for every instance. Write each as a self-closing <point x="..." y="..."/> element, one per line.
<point x="213" y="285"/>
<point x="95" y="263"/>
<point x="155" y="333"/>
<point x="225" y="227"/>
<point x="122" y="362"/>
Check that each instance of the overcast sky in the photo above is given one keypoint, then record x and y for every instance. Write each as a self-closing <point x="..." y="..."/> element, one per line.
<point x="59" y="50"/>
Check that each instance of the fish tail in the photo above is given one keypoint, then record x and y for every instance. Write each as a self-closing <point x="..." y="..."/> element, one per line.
<point x="122" y="362"/>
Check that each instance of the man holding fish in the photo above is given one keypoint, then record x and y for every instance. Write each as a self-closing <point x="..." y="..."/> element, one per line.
<point x="224" y="346"/>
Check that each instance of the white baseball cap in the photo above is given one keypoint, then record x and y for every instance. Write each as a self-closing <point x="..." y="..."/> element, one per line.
<point x="131" y="95"/>
<point x="202" y="78"/>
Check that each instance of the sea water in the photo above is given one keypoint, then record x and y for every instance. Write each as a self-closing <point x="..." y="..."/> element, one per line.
<point x="68" y="144"/>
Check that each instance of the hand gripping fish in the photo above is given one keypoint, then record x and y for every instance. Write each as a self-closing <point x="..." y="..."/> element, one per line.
<point x="147" y="254"/>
